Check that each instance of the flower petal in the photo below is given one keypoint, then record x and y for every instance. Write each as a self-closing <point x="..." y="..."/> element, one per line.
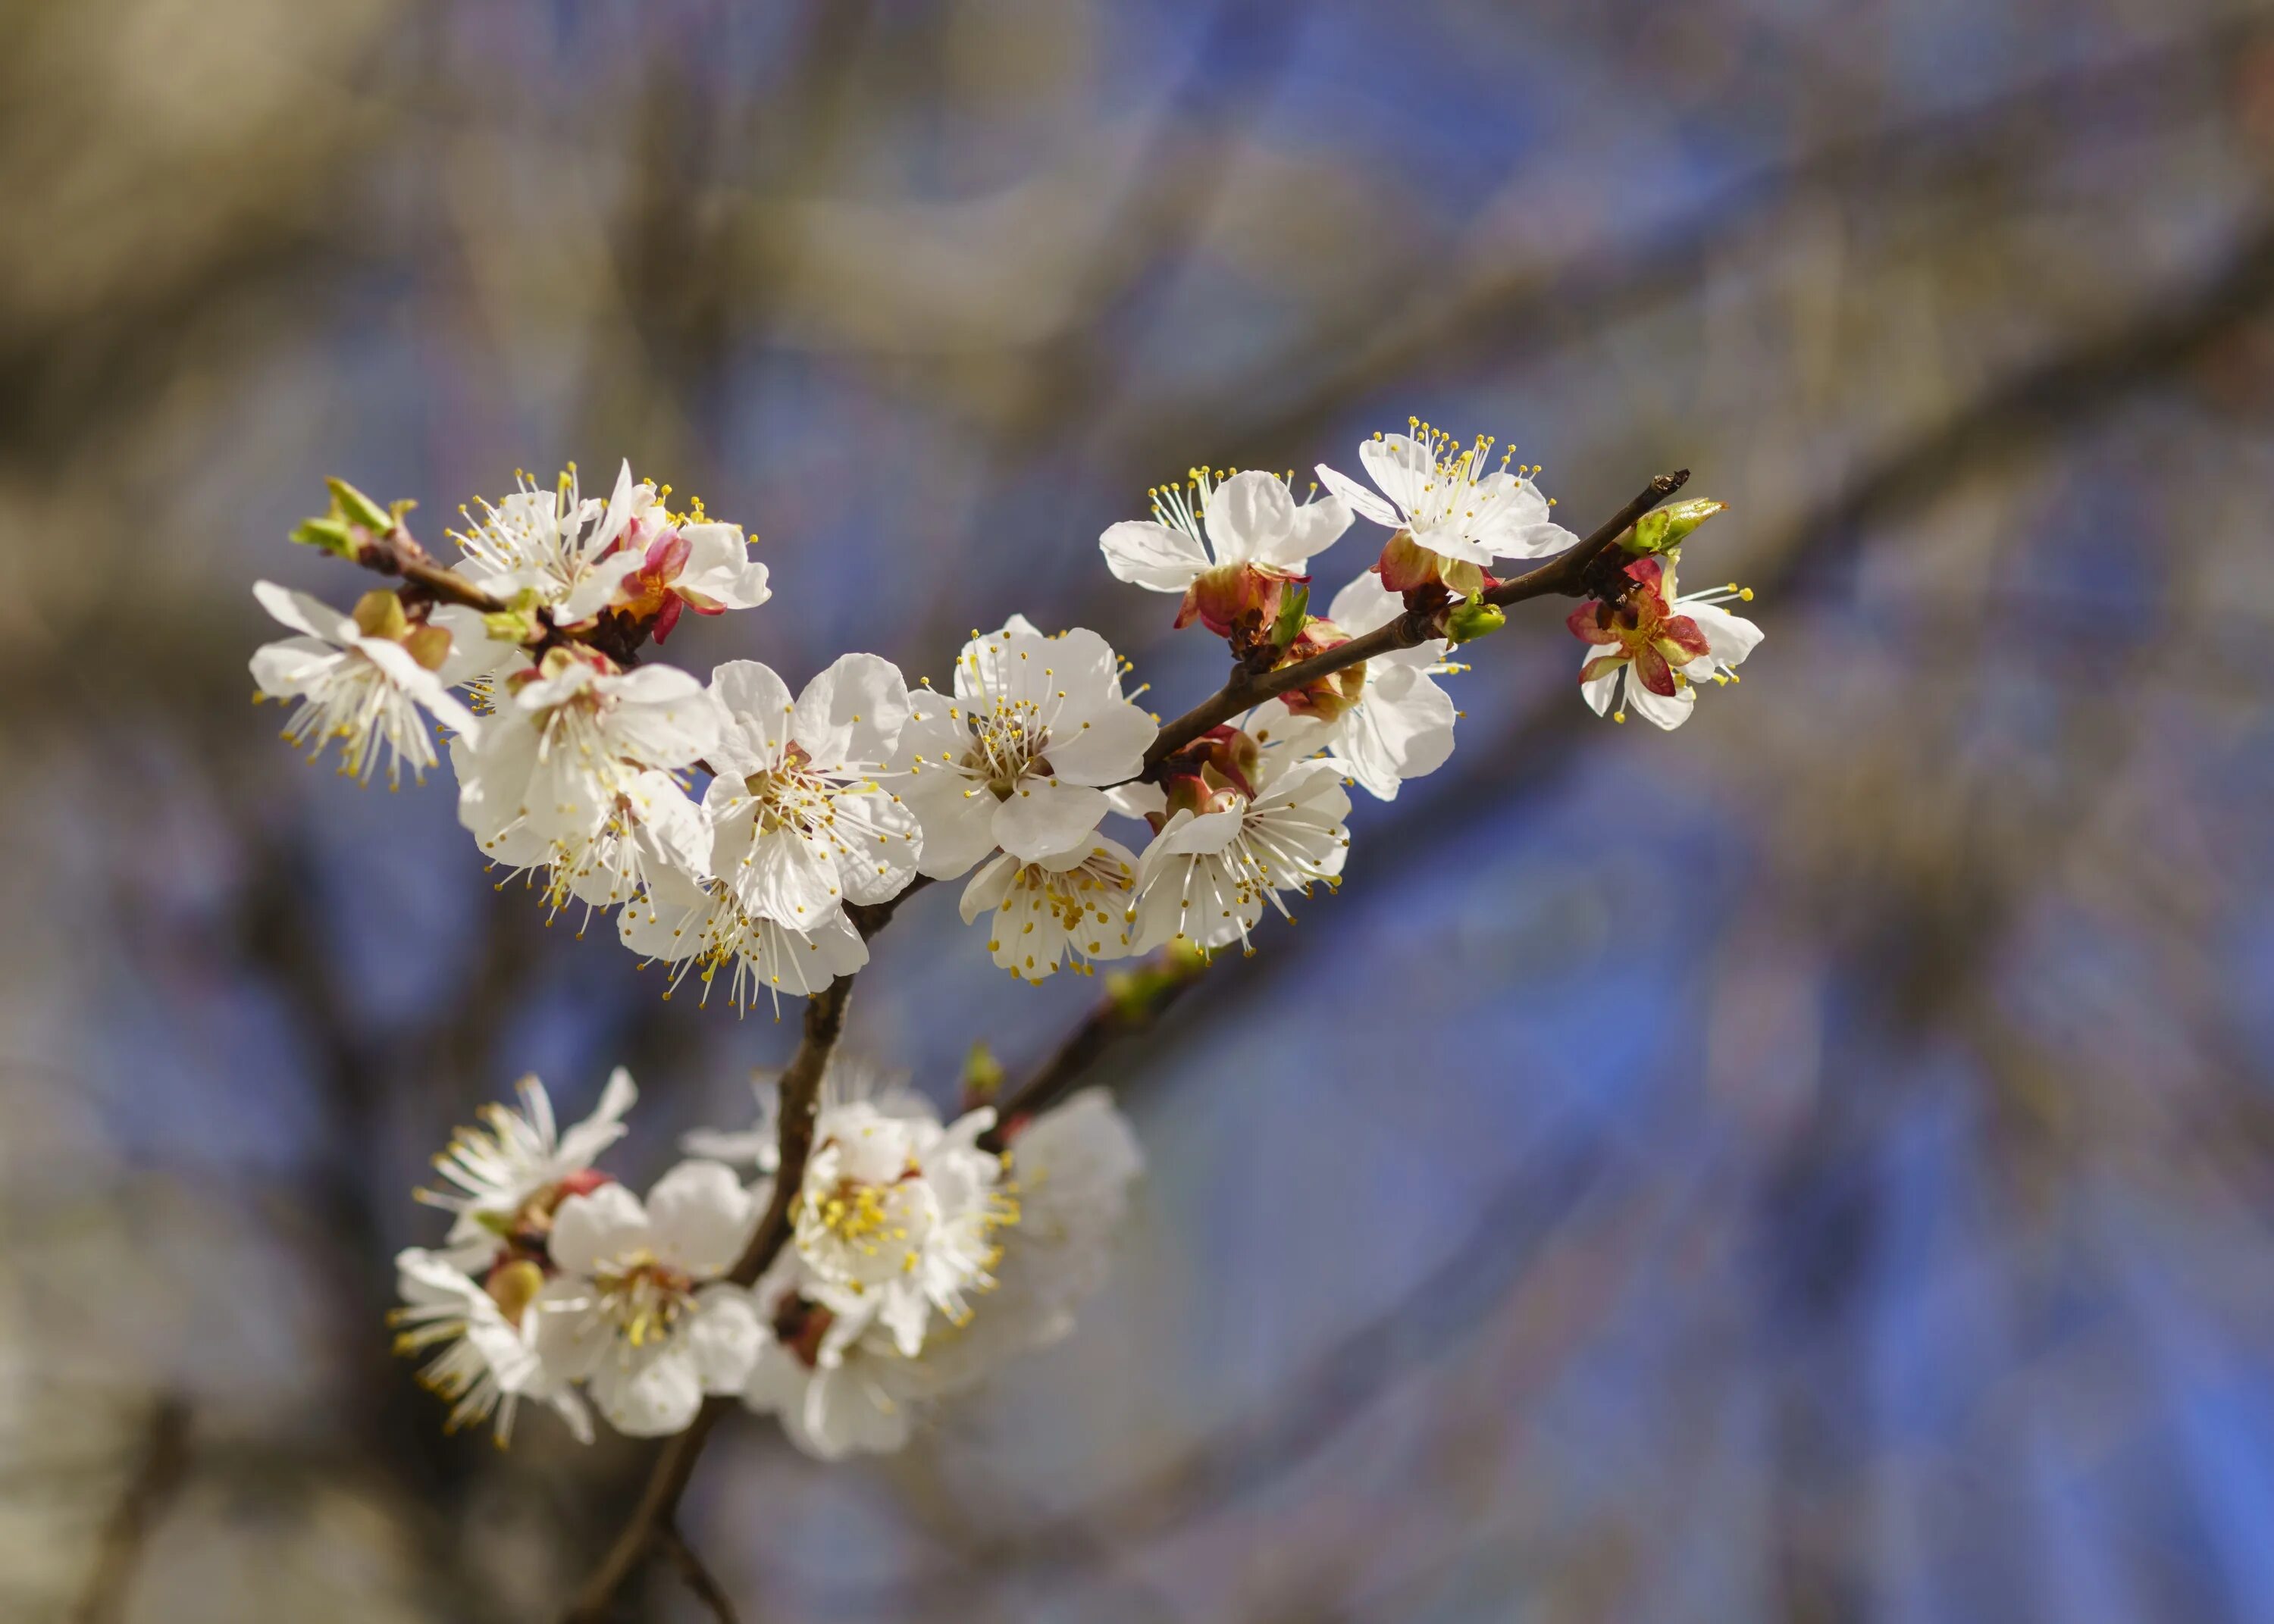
<point x="701" y="1218"/>
<point x="1401" y="466"/>
<point x="1105" y="746"/>
<point x="1156" y="557"/>
<point x="852" y="712"/>
<point x="594" y="1229"/>
<point x="1251" y="519"/>
<point x="1040" y="818"/>
<point x="1365" y="503"/>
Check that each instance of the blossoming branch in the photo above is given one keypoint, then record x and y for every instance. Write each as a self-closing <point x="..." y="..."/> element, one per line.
<point x="852" y="1260"/>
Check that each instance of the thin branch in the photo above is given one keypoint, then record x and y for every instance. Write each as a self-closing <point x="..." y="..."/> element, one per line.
<point x="398" y="552"/>
<point x="651" y="1519"/>
<point x="699" y="1579"/>
<point x="158" y="1475"/>
<point x="1566" y="573"/>
<point x="1116" y="1016"/>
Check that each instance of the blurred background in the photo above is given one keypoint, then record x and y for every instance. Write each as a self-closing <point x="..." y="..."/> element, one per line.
<point x="1814" y="1166"/>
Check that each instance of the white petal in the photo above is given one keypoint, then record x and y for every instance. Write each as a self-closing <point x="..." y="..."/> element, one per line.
<point x="853" y="711"/>
<point x="782" y="874"/>
<point x="1154" y="556"/>
<point x="595" y="588"/>
<point x="1251" y="519"/>
<point x="1137" y="800"/>
<point x="1667" y="713"/>
<point x="958" y="821"/>
<point x="701" y="1217"/>
<point x="1401" y="466"/>
<point x="1730" y="637"/>
<point x="1041" y="819"/>
<point x="1365" y="503"/>
<point x="987" y="888"/>
<point x="757" y="715"/>
<point x="311" y="616"/>
<point x="1401" y="728"/>
<point x="725" y="1338"/>
<point x="583" y="1144"/>
<point x="594" y="1229"/>
<point x="652" y="1396"/>
<point x="288" y="669"/>
<point x="1100" y="745"/>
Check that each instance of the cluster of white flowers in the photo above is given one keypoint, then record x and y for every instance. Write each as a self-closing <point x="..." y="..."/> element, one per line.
<point x="735" y="823"/>
<point x="917" y="1261"/>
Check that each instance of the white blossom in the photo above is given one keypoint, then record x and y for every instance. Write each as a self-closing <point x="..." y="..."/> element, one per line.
<point x="1017" y="755"/>
<point x="1658" y="646"/>
<point x="700" y="926"/>
<point x="1449" y="500"/>
<point x="579" y="557"/>
<point x="653" y="830"/>
<point x="505" y="1175"/>
<point x="641" y="1311"/>
<point x="568" y="743"/>
<point x="838" y="1386"/>
<point x="487" y="1333"/>
<point x="802" y="823"/>
<point x="361" y="680"/>
<point x="843" y="1387"/>
<point x="896" y="1216"/>
<point x="1073" y="1165"/>
<point x="556" y="544"/>
<point x="1249" y="519"/>
<point x="1219" y="858"/>
<point x="1401" y="724"/>
<point x="1071" y="903"/>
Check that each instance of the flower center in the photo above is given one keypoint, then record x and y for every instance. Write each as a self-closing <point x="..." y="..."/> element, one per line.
<point x="800" y="1326"/>
<point x="872" y="1232"/>
<point x="788" y="796"/>
<point x="1007" y="744"/>
<point x="643" y="1297"/>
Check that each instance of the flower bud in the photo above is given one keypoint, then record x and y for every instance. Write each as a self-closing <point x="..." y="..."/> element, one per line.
<point x="1231" y="760"/>
<point x="1473" y="619"/>
<point x="1330" y="696"/>
<point x="1238" y="602"/>
<point x="982" y="1076"/>
<point x="380" y="615"/>
<point x="357" y="508"/>
<point x="353" y="519"/>
<point x="1669" y="526"/>
<point x="1288" y="625"/>
<point x="513" y="1286"/>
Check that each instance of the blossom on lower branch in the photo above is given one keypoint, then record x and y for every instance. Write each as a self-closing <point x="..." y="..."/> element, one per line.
<point x="489" y="1360"/>
<point x="506" y="1176"/>
<point x="839" y="1379"/>
<point x="640" y="1311"/>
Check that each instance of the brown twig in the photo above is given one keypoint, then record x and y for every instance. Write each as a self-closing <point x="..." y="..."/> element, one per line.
<point x="1115" y="1016"/>
<point x="398" y="552"/>
<point x="1566" y="573"/>
<point x="158" y="1475"/>
<point x="651" y="1520"/>
<point x="699" y="1579"/>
